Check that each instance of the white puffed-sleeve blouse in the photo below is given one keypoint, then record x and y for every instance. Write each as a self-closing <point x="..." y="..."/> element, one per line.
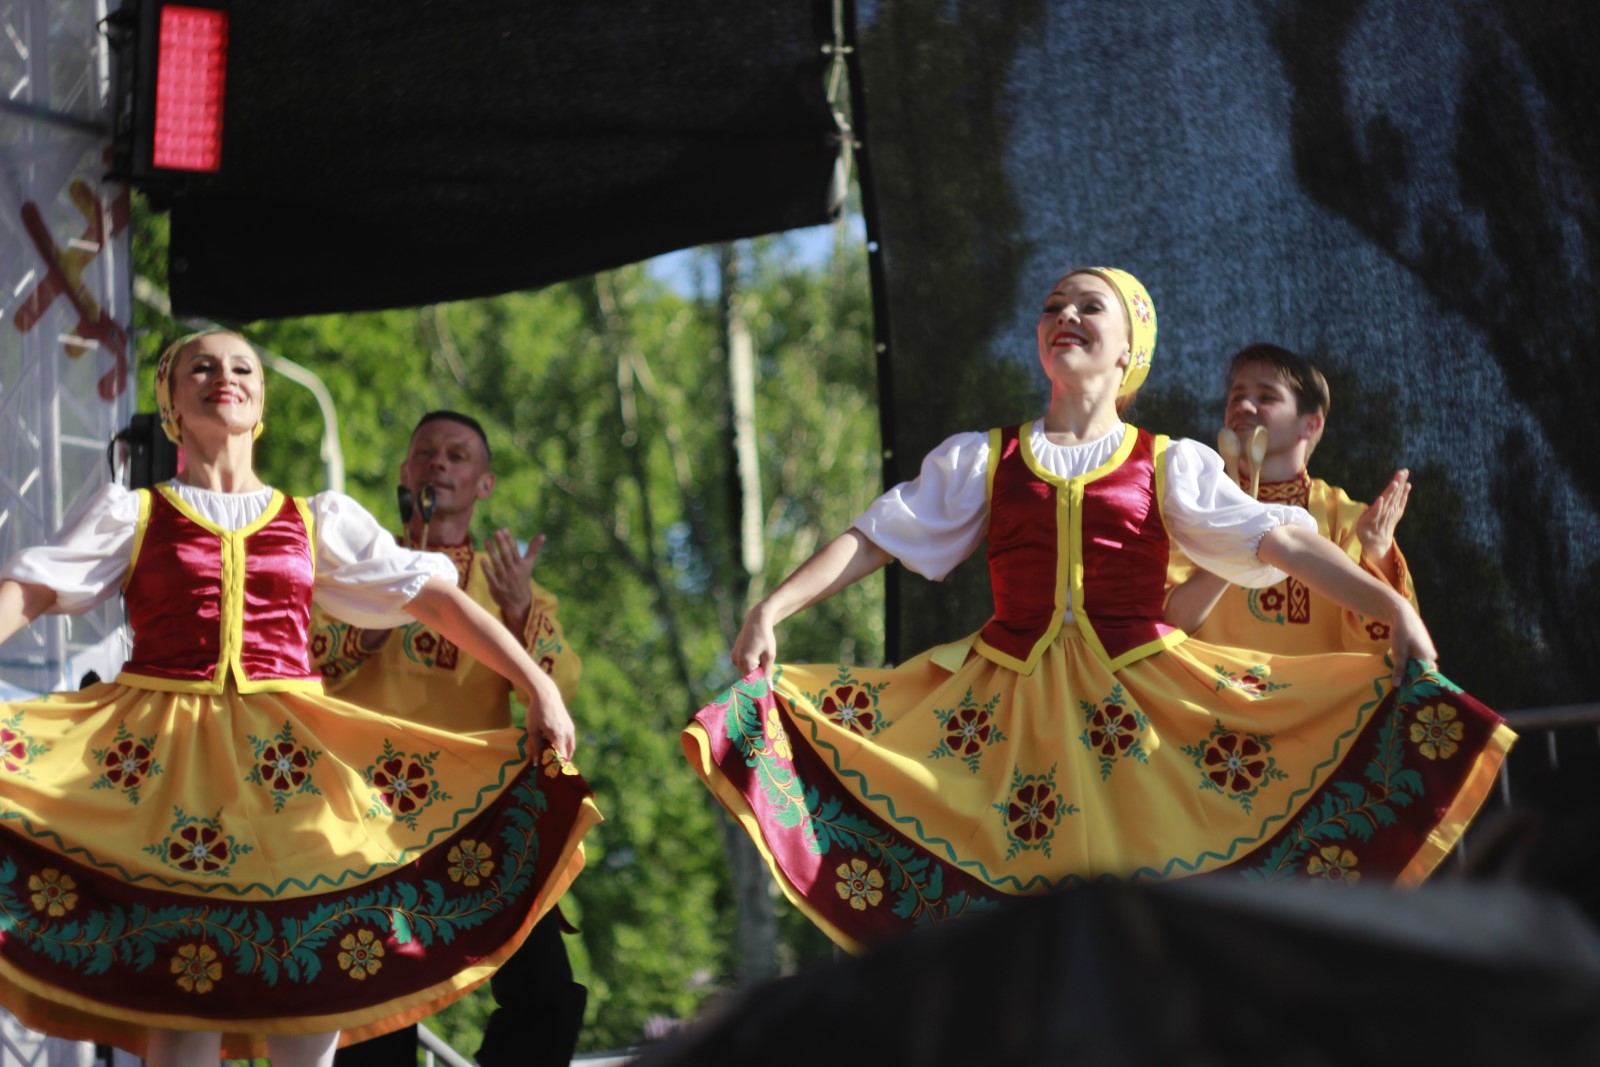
<point x="363" y="576"/>
<point x="939" y="518"/>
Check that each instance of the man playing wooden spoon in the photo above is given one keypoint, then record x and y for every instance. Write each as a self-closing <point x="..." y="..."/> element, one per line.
<point x="1279" y="391"/>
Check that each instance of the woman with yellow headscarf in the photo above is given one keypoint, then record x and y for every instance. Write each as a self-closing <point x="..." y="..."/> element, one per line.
<point x="1077" y="736"/>
<point x="208" y="857"/>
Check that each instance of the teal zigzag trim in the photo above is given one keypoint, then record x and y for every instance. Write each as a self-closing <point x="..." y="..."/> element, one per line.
<point x="1041" y="884"/>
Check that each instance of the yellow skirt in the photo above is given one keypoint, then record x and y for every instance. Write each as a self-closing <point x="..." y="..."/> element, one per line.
<point x="275" y="863"/>
<point x="887" y="799"/>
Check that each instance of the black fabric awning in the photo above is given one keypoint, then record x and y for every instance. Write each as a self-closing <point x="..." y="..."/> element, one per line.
<point x="383" y="154"/>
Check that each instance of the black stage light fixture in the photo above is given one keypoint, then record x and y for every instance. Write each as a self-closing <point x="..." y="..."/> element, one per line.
<point x="170" y="65"/>
<point x="150" y="458"/>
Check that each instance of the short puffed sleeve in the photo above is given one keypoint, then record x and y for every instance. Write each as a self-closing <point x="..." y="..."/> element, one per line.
<point x="363" y="576"/>
<point x="1215" y="522"/>
<point x="87" y="558"/>
<point x="937" y="519"/>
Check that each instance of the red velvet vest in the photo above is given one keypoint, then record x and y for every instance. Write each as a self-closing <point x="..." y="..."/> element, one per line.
<point x="204" y="603"/>
<point x="1098" y="537"/>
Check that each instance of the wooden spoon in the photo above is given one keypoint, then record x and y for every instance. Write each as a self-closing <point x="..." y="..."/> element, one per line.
<point x="1228" y="447"/>
<point x="425" y="504"/>
<point x="1258" y="455"/>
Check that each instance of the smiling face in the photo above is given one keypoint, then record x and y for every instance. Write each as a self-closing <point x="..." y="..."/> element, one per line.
<point x="1083" y="332"/>
<point x="217" y="386"/>
<point x="452" y="458"/>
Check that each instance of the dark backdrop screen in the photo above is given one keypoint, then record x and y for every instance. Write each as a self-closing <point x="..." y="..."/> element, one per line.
<point x="1404" y="192"/>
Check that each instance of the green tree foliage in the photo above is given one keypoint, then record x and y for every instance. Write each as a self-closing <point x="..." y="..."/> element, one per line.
<point x="606" y="404"/>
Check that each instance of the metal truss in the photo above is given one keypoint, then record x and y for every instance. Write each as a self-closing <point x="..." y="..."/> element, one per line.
<point x="65" y="309"/>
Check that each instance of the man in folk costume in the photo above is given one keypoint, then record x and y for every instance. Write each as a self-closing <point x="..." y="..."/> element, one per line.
<point x="416" y="674"/>
<point x="1281" y="394"/>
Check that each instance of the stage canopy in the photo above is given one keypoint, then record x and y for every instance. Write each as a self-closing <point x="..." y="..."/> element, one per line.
<point x="381" y="154"/>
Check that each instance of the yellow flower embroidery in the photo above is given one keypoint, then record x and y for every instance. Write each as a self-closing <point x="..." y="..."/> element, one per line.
<point x="555" y="763"/>
<point x="861" y="886"/>
<point x="778" y="737"/>
<point x="1436" y="731"/>
<point x="197" y="968"/>
<point x="470" y="862"/>
<point x="1334" y="864"/>
<point x="53" y="891"/>
<point x="362" y="955"/>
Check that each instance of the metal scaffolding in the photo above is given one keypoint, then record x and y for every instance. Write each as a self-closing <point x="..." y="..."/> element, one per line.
<point x="65" y="350"/>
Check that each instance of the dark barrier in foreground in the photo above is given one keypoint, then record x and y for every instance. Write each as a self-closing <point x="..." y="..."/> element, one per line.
<point x="1194" y="973"/>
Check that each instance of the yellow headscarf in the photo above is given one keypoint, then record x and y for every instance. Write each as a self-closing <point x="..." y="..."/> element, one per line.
<point x="169" y="414"/>
<point x="1141" y="313"/>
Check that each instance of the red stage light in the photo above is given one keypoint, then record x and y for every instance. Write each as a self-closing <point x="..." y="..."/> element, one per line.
<point x="192" y="68"/>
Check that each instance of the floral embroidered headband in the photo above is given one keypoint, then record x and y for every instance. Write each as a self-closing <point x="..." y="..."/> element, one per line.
<point x="164" y="406"/>
<point x="1141" y="315"/>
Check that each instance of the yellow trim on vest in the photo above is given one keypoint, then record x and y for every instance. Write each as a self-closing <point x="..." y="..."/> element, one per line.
<point x="1158" y="448"/>
<point x="984" y="648"/>
<point x="304" y="507"/>
<point x="1003" y="659"/>
<point x="1170" y="639"/>
<point x="997" y="439"/>
<point x="953" y="655"/>
<point x="179" y="685"/>
<point x="234" y="556"/>
<point x="268" y="513"/>
<point x="234" y="562"/>
<point x="996" y="442"/>
<point x="1069" y="549"/>
<point x="277" y="685"/>
<point x="1130" y="437"/>
<point x="1069" y="555"/>
<point x="1073" y="536"/>
<point x="140" y="525"/>
<point x="238" y="556"/>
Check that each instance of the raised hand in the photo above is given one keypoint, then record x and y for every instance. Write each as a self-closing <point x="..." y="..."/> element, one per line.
<point x="509" y="572"/>
<point x="1375" y="527"/>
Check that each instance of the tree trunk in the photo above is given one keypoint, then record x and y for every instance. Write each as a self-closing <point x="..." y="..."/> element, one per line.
<point x="752" y="884"/>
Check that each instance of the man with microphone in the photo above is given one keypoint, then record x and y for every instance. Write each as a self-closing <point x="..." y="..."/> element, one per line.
<point x="414" y="673"/>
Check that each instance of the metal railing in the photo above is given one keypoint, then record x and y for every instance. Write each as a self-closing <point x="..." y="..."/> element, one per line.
<point x="1529" y="722"/>
<point x="435" y="1046"/>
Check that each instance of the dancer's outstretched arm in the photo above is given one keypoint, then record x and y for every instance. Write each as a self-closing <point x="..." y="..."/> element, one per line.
<point x="841" y="562"/>
<point x="443" y="607"/>
<point x="1324" y="567"/>
<point x="20" y="604"/>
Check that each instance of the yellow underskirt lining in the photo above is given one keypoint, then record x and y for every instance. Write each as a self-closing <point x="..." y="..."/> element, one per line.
<point x="1469" y="798"/>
